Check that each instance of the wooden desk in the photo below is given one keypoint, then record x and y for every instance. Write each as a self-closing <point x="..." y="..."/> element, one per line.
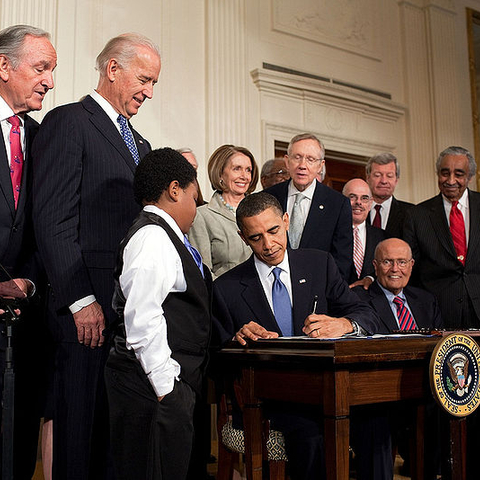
<point x="334" y="374"/>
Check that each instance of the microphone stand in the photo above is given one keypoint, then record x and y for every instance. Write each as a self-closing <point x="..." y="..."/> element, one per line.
<point x="8" y="396"/>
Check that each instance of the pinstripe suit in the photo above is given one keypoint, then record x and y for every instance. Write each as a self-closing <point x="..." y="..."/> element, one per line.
<point x="83" y="207"/>
<point x="437" y="269"/>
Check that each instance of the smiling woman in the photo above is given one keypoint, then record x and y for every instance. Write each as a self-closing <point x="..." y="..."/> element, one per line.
<point x="233" y="174"/>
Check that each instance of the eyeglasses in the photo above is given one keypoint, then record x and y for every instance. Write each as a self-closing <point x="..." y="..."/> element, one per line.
<point x="310" y="160"/>
<point x="389" y="262"/>
<point x="280" y="172"/>
<point x="363" y="198"/>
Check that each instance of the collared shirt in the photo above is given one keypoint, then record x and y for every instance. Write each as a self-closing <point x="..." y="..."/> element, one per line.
<point x="107" y="108"/>
<point x="152" y="269"/>
<point x="384" y="211"/>
<point x="7" y="112"/>
<point x="305" y="204"/>
<point x="390" y="296"/>
<point x="463" y="206"/>
<point x="266" y="276"/>
<point x="362" y="232"/>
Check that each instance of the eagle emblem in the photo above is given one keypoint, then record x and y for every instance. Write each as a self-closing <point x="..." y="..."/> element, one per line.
<point x="457" y="381"/>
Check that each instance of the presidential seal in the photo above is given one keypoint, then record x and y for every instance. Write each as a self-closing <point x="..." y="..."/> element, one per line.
<point x="454" y="374"/>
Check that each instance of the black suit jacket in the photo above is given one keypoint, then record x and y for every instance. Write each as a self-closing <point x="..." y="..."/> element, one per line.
<point x="238" y="295"/>
<point x="329" y="223"/>
<point x="396" y="218"/>
<point x="374" y="236"/>
<point x="16" y="234"/>
<point x="423" y="305"/>
<point x="84" y="203"/>
<point x="436" y="266"/>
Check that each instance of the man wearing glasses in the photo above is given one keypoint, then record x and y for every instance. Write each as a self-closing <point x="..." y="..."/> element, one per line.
<point x="319" y="216"/>
<point x="365" y="237"/>
<point x="274" y="171"/>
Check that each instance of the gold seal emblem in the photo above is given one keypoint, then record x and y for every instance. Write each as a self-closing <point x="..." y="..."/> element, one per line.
<point x="454" y="374"/>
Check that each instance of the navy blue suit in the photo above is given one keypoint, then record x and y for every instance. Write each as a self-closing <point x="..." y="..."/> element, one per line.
<point x="238" y="298"/>
<point x="83" y="207"/>
<point x="329" y="223"/>
<point x="423" y="305"/>
<point x="399" y="211"/>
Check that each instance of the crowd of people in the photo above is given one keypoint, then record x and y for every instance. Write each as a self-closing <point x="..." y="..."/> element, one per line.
<point x="132" y="276"/>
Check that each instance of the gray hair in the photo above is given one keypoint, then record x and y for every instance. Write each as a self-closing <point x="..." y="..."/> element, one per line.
<point x="382" y="159"/>
<point x="306" y="136"/>
<point x="12" y="38"/>
<point x="267" y="167"/>
<point x="124" y="49"/>
<point x="472" y="165"/>
<point x="185" y="150"/>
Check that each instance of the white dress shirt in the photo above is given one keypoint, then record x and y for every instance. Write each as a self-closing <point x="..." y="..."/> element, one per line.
<point x="464" y="207"/>
<point x="152" y="269"/>
<point x="265" y="273"/>
<point x="7" y="112"/>
<point x="384" y="211"/>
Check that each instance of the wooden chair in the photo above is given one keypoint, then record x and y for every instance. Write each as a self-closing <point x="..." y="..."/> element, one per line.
<point x="231" y="443"/>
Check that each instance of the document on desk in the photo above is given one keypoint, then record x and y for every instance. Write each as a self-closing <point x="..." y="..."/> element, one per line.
<point x="355" y="337"/>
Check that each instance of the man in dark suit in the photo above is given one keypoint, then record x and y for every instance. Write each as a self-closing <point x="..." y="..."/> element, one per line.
<point x="445" y="239"/>
<point x="27" y="61"/>
<point x="85" y="156"/>
<point x="365" y="237"/>
<point x="387" y="213"/>
<point x="280" y="292"/>
<point x="393" y="267"/>
<point x="320" y="217"/>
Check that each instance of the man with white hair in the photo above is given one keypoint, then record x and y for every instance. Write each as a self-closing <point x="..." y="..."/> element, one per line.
<point x="85" y="157"/>
<point x="27" y="61"/>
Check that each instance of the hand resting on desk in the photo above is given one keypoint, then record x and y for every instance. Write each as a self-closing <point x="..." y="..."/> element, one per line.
<point x="253" y="331"/>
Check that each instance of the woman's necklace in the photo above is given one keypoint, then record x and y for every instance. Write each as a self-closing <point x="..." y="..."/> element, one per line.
<point x="232" y="209"/>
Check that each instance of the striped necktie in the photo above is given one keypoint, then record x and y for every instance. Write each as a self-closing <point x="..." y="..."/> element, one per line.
<point x="405" y="319"/>
<point x="357" y="252"/>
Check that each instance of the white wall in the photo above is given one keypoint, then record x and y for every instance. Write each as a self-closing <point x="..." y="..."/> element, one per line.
<point x="213" y="88"/>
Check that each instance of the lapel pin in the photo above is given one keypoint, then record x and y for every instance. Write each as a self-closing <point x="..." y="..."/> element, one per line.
<point x="302" y="280"/>
<point x="321" y="207"/>
<point x="140" y="141"/>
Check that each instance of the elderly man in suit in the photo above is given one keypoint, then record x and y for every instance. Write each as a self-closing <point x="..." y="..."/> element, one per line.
<point x="445" y="239"/>
<point x="85" y="156"/>
<point x="274" y="171"/>
<point x="400" y="306"/>
<point x="388" y="213"/>
<point x="27" y="61"/>
<point x="319" y="216"/>
<point x="285" y="292"/>
<point x="365" y="237"/>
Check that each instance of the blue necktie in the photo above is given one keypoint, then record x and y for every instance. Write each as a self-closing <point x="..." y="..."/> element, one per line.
<point x="281" y="304"/>
<point x="128" y="138"/>
<point x="195" y="254"/>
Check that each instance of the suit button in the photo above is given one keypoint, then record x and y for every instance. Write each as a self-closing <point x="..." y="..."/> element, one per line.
<point x="459" y="300"/>
<point x="14" y="229"/>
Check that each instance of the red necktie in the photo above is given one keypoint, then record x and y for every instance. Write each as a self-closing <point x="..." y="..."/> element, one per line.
<point x="405" y="319"/>
<point x="457" y="229"/>
<point x="16" y="156"/>
<point x="377" y="220"/>
<point x="357" y="252"/>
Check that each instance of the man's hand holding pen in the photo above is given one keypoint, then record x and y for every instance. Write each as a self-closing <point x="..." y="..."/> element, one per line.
<point x="323" y="326"/>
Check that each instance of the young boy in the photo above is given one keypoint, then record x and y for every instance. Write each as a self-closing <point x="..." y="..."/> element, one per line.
<point x="163" y="303"/>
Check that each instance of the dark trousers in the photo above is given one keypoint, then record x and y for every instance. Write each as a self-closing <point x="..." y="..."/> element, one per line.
<point x="80" y="413"/>
<point x="151" y="440"/>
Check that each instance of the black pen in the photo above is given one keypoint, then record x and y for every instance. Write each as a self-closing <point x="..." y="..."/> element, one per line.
<point x="315" y="300"/>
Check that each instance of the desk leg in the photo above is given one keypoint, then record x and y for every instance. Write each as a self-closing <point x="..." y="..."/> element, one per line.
<point x="252" y="419"/>
<point x="458" y="448"/>
<point x="418" y="452"/>
<point x="336" y="448"/>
